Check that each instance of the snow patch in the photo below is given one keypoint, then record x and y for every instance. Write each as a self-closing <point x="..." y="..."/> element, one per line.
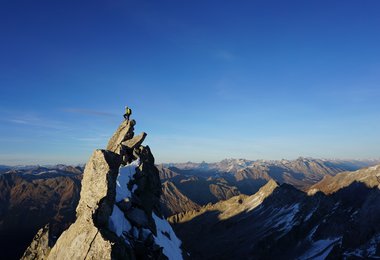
<point x="312" y="232"/>
<point x="285" y="218"/>
<point x="320" y="249"/>
<point x="118" y="223"/>
<point x="310" y="214"/>
<point x="167" y="239"/>
<point x="125" y="176"/>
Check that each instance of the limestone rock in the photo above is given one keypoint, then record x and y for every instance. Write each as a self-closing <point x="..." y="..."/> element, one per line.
<point x="119" y="209"/>
<point x="39" y="248"/>
<point x="135" y="142"/>
<point x="124" y="132"/>
<point x="88" y="236"/>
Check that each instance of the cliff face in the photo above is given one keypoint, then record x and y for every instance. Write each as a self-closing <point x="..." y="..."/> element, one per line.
<point x="118" y="215"/>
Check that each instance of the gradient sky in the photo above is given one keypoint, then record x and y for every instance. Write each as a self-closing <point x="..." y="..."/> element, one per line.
<point x="206" y="80"/>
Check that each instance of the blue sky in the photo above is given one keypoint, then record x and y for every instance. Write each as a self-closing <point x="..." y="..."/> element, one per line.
<point x="206" y="80"/>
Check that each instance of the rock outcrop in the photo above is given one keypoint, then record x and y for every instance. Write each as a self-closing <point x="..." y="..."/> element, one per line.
<point x="39" y="248"/>
<point x="118" y="215"/>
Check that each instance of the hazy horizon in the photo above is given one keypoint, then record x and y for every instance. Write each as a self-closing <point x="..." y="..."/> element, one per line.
<point x="206" y="80"/>
<point x="196" y="162"/>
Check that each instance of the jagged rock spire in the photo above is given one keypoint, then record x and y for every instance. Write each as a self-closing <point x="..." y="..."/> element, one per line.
<point x="118" y="215"/>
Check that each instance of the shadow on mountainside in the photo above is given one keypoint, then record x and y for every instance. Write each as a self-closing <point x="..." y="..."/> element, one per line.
<point x="289" y="224"/>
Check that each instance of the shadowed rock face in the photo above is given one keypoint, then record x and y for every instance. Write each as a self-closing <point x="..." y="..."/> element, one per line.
<point x="173" y="201"/>
<point x="108" y="226"/>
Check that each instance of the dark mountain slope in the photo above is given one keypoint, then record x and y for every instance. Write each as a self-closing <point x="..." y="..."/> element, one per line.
<point x="30" y="199"/>
<point x="288" y="224"/>
<point x="183" y="192"/>
<point x="173" y="201"/>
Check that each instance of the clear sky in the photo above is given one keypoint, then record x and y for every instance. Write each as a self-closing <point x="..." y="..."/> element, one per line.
<point x="206" y="80"/>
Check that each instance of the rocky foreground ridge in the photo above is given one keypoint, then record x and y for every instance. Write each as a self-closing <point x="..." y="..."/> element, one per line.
<point x="118" y="215"/>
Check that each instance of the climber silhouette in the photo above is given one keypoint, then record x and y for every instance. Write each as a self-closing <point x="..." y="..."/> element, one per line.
<point x="128" y="113"/>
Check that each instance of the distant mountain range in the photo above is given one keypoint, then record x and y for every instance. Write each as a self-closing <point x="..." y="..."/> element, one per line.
<point x="191" y="185"/>
<point x="4" y="168"/>
<point x="234" y="165"/>
<point x="33" y="196"/>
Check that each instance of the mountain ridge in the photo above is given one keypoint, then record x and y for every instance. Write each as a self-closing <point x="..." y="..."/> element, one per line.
<point x="369" y="176"/>
<point x="289" y="224"/>
<point x="33" y="173"/>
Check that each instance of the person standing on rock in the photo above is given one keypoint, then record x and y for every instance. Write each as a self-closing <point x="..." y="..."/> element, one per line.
<point x="128" y="113"/>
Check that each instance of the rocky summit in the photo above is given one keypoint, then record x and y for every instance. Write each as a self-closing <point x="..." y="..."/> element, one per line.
<point x="118" y="215"/>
